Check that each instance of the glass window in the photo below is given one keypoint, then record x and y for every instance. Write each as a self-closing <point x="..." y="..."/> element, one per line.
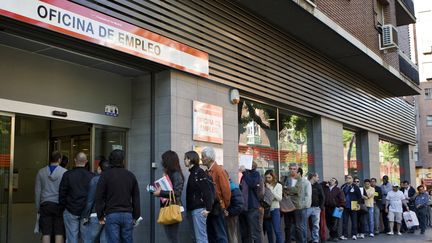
<point x="258" y="134"/>
<point x="430" y="147"/>
<point x="294" y="141"/>
<point x="428" y="93"/>
<point x="429" y="121"/>
<point x="351" y="163"/>
<point x="389" y="161"/>
<point x="274" y="143"/>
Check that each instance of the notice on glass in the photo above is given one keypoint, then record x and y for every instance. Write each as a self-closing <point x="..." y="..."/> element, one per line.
<point x="245" y="161"/>
<point x="207" y="122"/>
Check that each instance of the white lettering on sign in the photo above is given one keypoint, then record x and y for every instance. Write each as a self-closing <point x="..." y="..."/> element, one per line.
<point x="89" y="25"/>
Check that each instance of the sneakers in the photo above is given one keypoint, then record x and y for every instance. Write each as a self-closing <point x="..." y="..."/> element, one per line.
<point x="399" y="233"/>
<point x="371" y="235"/>
<point x="390" y="233"/>
<point x="343" y="238"/>
<point x="354" y="237"/>
<point x="361" y="236"/>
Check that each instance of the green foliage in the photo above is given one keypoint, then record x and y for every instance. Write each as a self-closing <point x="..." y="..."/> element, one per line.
<point x="390" y="152"/>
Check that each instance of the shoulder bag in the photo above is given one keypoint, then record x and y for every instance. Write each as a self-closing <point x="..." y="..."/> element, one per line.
<point x="286" y="205"/>
<point x="170" y="213"/>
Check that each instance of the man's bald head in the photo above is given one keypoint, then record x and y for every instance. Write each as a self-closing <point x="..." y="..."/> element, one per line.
<point x="81" y="159"/>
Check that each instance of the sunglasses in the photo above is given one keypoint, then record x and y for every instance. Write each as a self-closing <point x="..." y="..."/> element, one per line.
<point x="357" y="181"/>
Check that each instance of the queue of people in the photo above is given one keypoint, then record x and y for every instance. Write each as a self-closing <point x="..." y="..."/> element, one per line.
<point x="79" y="206"/>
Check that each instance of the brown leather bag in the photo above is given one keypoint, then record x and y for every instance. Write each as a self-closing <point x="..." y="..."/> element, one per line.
<point x="286" y="204"/>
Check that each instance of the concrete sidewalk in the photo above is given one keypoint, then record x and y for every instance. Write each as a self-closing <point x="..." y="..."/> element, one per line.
<point x="405" y="238"/>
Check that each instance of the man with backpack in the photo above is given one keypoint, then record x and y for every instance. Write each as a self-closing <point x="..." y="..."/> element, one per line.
<point x="216" y="228"/>
<point x="233" y="211"/>
<point x="252" y="190"/>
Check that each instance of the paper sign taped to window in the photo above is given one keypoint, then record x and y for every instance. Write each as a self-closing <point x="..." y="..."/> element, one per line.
<point x="246" y="161"/>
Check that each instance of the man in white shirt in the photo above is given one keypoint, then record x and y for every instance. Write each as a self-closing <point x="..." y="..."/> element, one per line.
<point x="393" y="207"/>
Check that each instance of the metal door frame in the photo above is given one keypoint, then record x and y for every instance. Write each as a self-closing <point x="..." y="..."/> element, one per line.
<point x="12" y="150"/>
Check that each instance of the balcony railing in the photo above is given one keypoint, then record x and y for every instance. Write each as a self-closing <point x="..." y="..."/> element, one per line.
<point x="409" y="69"/>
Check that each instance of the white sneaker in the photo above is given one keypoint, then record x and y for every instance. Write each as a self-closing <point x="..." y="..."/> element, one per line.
<point x="399" y="233"/>
<point x="354" y="237"/>
<point x="361" y="236"/>
<point x="371" y="235"/>
<point x="390" y="233"/>
<point x="343" y="238"/>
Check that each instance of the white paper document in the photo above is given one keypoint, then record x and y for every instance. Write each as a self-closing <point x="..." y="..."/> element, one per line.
<point x="246" y="161"/>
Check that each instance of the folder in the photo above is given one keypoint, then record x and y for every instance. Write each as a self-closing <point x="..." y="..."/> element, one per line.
<point x="337" y="213"/>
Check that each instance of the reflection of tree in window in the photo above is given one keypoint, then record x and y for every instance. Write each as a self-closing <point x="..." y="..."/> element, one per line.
<point x="255" y="117"/>
<point x="351" y="165"/>
<point x="389" y="160"/>
<point x="293" y="136"/>
<point x="257" y="133"/>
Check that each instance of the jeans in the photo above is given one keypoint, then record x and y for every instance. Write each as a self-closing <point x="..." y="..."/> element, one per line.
<point x="232" y="223"/>
<point x="72" y="226"/>
<point x="332" y="223"/>
<point x="301" y="225"/>
<point x="289" y="222"/>
<point x="377" y="219"/>
<point x="347" y="214"/>
<point x="371" y="218"/>
<point x="119" y="227"/>
<point x="93" y="232"/>
<point x="429" y="222"/>
<point x="216" y="229"/>
<point x="199" y="225"/>
<point x="274" y="224"/>
<point x="422" y="217"/>
<point x="314" y="212"/>
<point x="250" y="226"/>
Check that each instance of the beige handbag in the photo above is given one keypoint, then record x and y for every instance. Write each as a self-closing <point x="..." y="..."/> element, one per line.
<point x="170" y="213"/>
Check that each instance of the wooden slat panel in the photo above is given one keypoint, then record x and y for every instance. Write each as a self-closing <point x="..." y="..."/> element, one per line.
<point x="249" y="54"/>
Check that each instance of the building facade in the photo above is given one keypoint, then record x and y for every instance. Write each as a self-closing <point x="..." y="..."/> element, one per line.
<point x="316" y="86"/>
<point x="423" y="101"/>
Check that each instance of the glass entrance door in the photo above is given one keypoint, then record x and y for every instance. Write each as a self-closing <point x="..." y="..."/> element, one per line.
<point x="6" y="172"/>
<point x="107" y="139"/>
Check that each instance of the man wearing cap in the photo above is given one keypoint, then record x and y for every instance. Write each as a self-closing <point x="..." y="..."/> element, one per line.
<point x="394" y="201"/>
<point x="385" y="188"/>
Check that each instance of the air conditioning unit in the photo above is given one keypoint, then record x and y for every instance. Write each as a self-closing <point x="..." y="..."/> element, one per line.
<point x="388" y="37"/>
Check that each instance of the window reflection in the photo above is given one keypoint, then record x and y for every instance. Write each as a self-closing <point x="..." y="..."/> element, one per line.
<point x="351" y="163"/>
<point x="294" y="142"/>
<point x="274" y="143"/>
<point x="389" y="161"/>
<point x="258" y="136"/>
